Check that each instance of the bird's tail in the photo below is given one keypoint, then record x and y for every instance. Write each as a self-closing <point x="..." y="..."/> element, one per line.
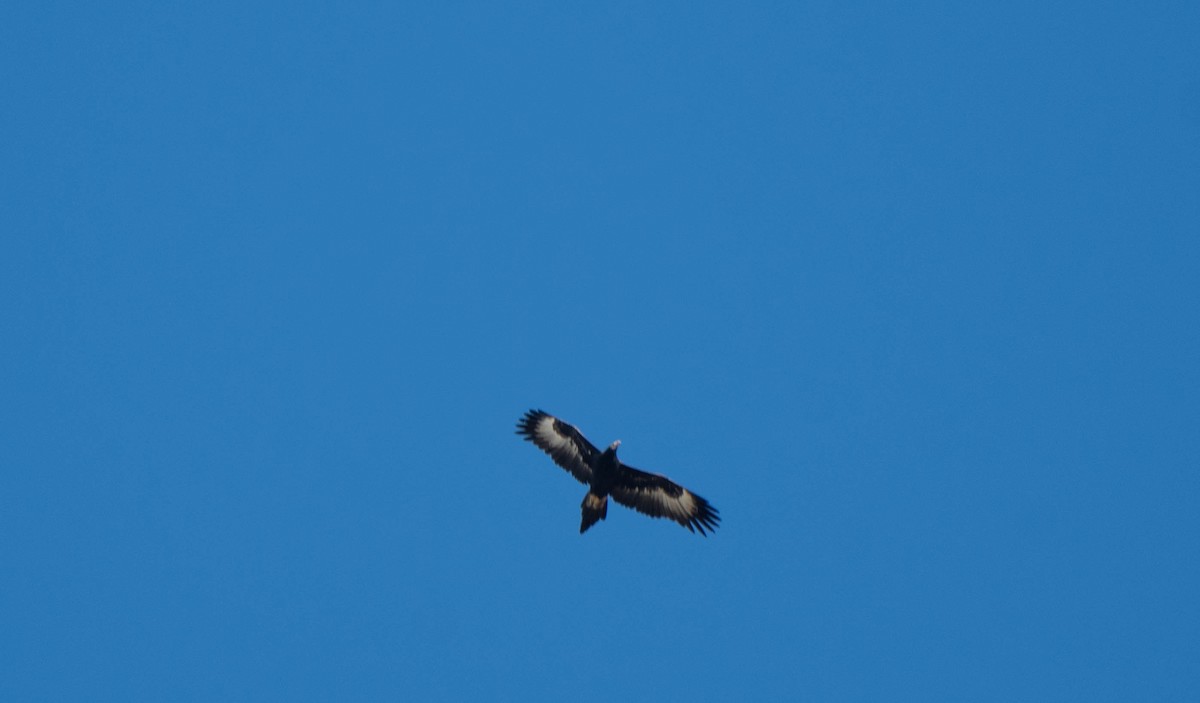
<point x="595" y="508"/>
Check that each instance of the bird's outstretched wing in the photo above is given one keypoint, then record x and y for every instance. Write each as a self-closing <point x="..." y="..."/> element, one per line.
<point x="659" y="496"/>
<point x="562" y="441"/>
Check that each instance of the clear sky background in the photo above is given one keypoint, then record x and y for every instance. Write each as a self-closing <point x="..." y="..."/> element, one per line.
<point x="908" y="290"/>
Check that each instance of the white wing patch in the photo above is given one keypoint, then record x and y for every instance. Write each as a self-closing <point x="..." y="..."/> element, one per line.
<point x="685" y="504"/>
<point x="551" y="440"/>
<point x="655" y="498"/>
<point x="677" y="508"/>
<point x="561" y="441"/>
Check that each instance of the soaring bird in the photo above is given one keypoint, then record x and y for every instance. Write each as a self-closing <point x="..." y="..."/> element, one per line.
<point x="605" y="475"/>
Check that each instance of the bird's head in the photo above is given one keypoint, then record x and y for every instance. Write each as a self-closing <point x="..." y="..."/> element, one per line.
<point x="613" y="447"/>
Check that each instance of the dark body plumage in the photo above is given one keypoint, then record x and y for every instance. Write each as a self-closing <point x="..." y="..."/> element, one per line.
<point x="605" y="475"/>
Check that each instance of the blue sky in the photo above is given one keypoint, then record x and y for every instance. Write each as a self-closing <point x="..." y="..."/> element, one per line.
<point x="908" y="291"/>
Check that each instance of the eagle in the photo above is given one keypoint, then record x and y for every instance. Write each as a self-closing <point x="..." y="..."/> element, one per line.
<point x="605" y="475"/>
